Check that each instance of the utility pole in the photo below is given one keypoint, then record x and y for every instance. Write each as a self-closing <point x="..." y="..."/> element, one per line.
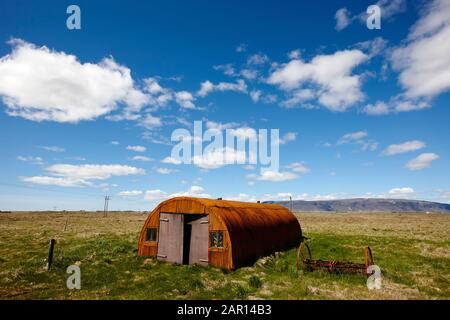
<point x="290" y="202"/>
<point x="105" y="207"/>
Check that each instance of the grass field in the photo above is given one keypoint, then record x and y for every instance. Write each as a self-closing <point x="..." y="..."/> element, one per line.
<point x="412" y="250"/>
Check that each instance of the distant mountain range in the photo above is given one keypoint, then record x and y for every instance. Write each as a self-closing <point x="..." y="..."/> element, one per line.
<point x="365" y="205"/>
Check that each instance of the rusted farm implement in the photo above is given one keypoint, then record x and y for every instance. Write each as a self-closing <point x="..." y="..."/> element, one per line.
<point x="305" y="262"/>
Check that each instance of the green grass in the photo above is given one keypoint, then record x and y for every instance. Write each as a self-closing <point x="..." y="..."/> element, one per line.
<point x="111" y="269"/>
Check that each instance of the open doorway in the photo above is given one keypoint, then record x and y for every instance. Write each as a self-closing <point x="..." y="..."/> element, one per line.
<point x="195" y="241"/>
<point x="183" y="238"/>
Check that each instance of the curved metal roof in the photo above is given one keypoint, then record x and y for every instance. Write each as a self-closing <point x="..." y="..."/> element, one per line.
<point x="255" y="229"/>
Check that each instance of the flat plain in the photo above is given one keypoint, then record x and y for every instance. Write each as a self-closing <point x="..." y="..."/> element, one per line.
<point x="412" y="250"/>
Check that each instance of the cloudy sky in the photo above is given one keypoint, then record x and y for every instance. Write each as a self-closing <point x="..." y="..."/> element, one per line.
<point x="84" y="113"/>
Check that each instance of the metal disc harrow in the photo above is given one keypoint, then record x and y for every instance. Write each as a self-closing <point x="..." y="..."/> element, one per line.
<point x="306" y="263"/>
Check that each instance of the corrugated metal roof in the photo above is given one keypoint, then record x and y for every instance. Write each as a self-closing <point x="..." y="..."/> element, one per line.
<point x="255" y="229"/>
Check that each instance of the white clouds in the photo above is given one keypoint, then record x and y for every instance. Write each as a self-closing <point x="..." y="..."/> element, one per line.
<point x="241" y="47"/>
<point x="395" y="105"/>
<point x="249" y="73"/>
<point x="245" y="133"/>
<point x="279" y="176"/>
<point x="373" y="47"/>
<point x="53" y="148"/>
<point x="422" y="161"/>
<point x="352" y="137"/>
<point x="288" y="137"/>
<point x="407" y="146"/>
<point x="137" y="148"/>
<point x="185" y="99"/>
<point x="434" y="17"/>
<point x="294" y="54"/>
<point x="29" y="158"/>
<point x="305" y="196"/>
<point x="219" y="157"/>
<point x="207" y="87"/>
<point x="389" y="8"/>
<point x="132" y="193"/>
<point x="242" y="197"/>
<point x="227" y="69"/>
<point x="394" y="193"/>
<point x="115" y="143"/>
<point x="329" y="78"/>
<point x="156" y="194"/>
<point x="162" y="96"/>
<point x="141" y="158"/>
<point x="270" y="98"/>
<point x="401" y="191"/>
<point x="255" y="95"/>
<point x="150" y="122"/>
<point x="298" y="97"/>
<point x="35" y="160"/>
<point x="406" y="106"/>
<point x="359" y="138"/>
<point x="193" y="191"/>
<point x="424" y="62"/>
<point x="153" y="86"/>
<point x="257" y="59"/>
<point x="315" y="197"/>
<point x="212" y="125"/>
<point x="370" y="145"/>
<point x="170" y="160"/>
<point x="273" y="176"/>
<point x="68" y="175"/>
<point x="379" y="108"/>
<point x="165" y="170"/>
<point x="298" y="167"/>
<point x="40" y="84"/>
<point x="93" y="171"/>
<point x="442" y="195"/>
<point x="56" y="181"/>
<point x="343" y="19"/>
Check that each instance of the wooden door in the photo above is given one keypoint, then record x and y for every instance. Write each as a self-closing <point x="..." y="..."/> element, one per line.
<point x="170" y="242"/>
<point x="198" y="248"/>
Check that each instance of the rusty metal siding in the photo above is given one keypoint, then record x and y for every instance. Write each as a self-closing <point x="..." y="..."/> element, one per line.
<point x="252" y="229"/>
<point x="148" y="250"/>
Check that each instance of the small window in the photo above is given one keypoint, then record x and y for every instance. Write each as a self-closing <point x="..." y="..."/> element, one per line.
<point x="150" y="235"/>
<point x="216" y="238"/>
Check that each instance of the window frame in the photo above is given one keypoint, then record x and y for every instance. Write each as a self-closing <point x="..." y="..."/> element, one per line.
<point x="147" y="235"/>
<point x="215" y="240"/>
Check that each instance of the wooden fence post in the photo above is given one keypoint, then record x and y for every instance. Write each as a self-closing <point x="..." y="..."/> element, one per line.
<point x="65" y="225"/>
<point x="50" y="254"/>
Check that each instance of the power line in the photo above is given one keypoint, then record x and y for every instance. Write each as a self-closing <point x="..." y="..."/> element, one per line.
<point x="70" y="193"/>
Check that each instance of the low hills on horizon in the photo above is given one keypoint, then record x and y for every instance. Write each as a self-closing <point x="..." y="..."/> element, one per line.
<point x="364" y="205"/>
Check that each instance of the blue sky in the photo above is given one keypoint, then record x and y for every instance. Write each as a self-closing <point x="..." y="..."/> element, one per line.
<point x="84" y="113"/>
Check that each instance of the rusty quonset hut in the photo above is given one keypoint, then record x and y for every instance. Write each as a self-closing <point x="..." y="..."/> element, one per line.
<point x="220" y="233"/>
